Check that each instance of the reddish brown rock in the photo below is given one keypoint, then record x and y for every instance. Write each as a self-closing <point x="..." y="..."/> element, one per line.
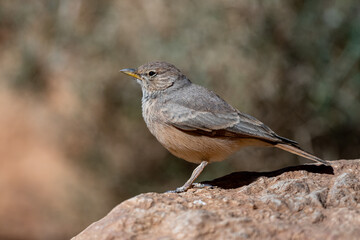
<point x="303" y="202"/>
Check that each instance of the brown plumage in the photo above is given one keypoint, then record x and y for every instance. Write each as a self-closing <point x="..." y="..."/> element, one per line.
<point x="197" y="125"/>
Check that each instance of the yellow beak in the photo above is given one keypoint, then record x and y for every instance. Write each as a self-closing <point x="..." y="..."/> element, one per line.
<point x="131" y="72"/>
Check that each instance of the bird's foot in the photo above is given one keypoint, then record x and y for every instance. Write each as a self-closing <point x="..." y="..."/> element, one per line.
<point x="202" y="185"/>
<point x="178" y="190"/>
<point x="195" y="185"/>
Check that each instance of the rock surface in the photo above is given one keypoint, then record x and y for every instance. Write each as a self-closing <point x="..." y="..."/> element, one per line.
<point x="303" y="202"/>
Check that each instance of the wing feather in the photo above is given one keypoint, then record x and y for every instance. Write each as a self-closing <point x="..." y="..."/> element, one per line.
<point x="207" y="114"/>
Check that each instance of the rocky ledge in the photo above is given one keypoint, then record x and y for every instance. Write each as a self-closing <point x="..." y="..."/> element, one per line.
<point x="302" y="202"/>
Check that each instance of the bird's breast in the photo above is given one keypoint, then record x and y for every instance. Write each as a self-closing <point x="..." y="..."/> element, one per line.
<point x="150" y="112"/>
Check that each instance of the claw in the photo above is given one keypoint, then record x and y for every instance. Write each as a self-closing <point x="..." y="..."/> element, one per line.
<point x="202" y="185"/>
<point x="195" y="185"/>
<point x="178" y="190"/>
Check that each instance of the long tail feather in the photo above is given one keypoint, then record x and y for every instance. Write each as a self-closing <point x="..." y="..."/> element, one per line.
<point x="298" y="151"/>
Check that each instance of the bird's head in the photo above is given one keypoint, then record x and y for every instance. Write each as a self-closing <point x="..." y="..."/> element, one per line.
<point x="157" y="76"/>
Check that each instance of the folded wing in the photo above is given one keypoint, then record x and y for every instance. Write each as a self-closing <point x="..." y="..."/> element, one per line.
<point x="203" y="112"/>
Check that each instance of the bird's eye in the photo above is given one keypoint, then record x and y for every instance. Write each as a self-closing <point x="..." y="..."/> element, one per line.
<point x="152" y="73"/>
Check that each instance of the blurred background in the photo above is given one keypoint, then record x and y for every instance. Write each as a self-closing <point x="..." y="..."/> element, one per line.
<point x="73" y="143"/>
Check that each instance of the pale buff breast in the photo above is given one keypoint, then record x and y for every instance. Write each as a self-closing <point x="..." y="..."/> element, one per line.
<point x="195" y="148"/>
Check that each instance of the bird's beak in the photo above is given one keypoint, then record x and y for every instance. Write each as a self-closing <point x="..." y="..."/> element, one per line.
<point x="130" y="72"/>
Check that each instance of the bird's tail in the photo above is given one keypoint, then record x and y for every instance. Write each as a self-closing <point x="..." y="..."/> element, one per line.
<point x="298" y="151"/>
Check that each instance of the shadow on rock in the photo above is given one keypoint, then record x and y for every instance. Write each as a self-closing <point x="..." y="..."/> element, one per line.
<point x="239" y="179"/>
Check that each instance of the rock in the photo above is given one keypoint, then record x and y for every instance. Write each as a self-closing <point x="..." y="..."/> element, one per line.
<point x="302" y="202"/>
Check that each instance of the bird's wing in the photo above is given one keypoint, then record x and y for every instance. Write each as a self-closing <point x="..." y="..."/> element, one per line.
<point x="206" y="113"/>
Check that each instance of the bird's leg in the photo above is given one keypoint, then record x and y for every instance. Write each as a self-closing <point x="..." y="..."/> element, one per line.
<point x="194" y="175"/>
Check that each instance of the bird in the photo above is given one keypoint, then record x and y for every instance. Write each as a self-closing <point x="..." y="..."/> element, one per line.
<point x="195" y="124"/>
